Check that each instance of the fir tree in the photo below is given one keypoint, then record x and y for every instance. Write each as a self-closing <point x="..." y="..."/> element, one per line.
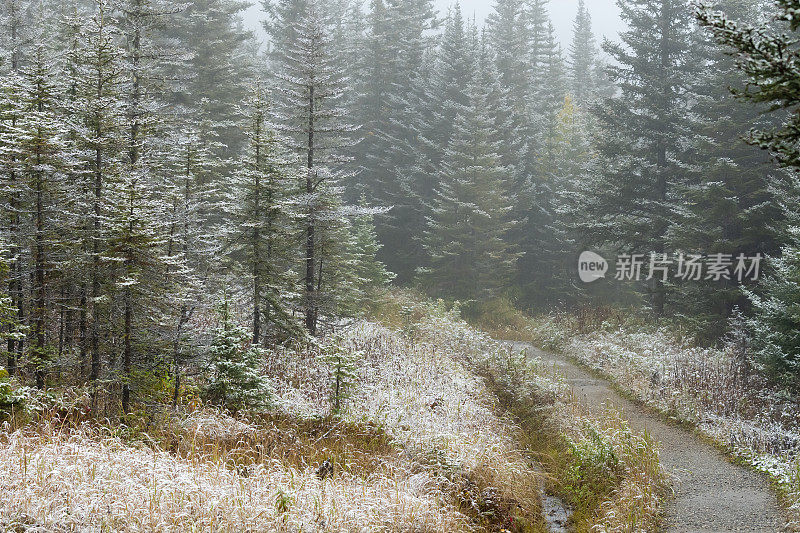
<point x="644" y="145"/>
<point x="260" y="222"/>
<point x="313" y="120"/>
<point x="469" y="257"/>
<point x="369" y="272"/>
<point x="98" y="107"/>
<point x="234" y="378"/>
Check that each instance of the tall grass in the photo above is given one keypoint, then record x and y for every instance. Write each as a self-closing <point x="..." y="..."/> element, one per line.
<point x="717" y="389"/>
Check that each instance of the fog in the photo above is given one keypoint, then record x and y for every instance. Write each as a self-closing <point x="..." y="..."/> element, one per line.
<point x="605" y="16"/>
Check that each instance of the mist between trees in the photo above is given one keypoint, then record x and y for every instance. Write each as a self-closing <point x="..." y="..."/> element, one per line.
<point x="158" y="169"/>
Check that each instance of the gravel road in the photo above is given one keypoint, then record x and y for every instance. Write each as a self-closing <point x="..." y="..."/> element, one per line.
<point x="711" y="494"/>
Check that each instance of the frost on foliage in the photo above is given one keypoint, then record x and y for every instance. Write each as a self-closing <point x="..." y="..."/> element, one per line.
<point x="713" y="388"/>
<point x="235" y="379"/>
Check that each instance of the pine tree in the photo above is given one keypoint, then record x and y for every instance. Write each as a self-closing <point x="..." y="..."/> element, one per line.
<point x="314" y="123"/>
<point x="469" y="257"/>
<point x="644" y="148"/>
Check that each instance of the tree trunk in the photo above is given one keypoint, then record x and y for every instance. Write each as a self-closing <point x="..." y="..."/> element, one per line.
<point x="311" y="318"/>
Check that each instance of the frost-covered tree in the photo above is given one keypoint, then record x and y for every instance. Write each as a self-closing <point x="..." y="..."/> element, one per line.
<point x="587" y="79"/>
<point x="234" y="379"/>
<point x="470" y="221"/>
<point x="765" y="54"/>
<point x="191" y="242"/>
<point x="46" y="154"/>
<point x="645" y="145"/>
<point x="99" y="111"/>
<point x="214" y="80"/>
<point x="16" y="37"/>
<point x="394" y="109"/>
<point x="260" y="221"/>
<point x="369" y="272"/>
<point x="316" y="130"/>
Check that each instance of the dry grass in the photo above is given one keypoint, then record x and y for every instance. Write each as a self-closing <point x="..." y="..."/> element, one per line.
<point x="717" y="389"/>
<point x="86" y="478"/>
<point x="609" y="475"/>
<point x="418" y="448"/>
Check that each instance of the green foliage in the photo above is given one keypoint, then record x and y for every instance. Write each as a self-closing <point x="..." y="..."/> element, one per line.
<point x="341" y="361"/>
<point x="594" y="468"/>
<point x="776" y="321"/>
<point x="234" y="381"/>
<point x="369" y="272"/>
<point x="467" y="232"/>
<point x="768" y="56"/>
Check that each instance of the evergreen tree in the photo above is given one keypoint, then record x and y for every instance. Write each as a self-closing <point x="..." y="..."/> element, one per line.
<point x="369" y="272"/>
<point x="16" y="38"/>
<point x="729" y="207"/>
<point x="767" y="58"/>
<point x="313" y="120"/>
<point x="260" y="223"/>
<point x="214" y="81"/>
<point x="469" y="257"/>
<point x="395" y="106"/>
<point x="98" y="107"/>
<point x="766" y="55"/>
<point x="234" y="378"/>
<point x="191" y="243"/>
<point x="646" y="130"/>
<point x="12" y="111"/>
<point x="587" y="80"/>
<point x="45" y="158"/>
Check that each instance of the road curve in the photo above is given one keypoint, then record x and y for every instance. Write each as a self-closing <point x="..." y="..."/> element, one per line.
<point x="711" y="494"/>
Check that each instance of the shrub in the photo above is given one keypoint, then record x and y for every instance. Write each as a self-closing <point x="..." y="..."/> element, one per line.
<point x="235" y="381"/>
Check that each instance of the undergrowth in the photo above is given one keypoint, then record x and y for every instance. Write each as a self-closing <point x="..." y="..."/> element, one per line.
<point x="719" y="390"/>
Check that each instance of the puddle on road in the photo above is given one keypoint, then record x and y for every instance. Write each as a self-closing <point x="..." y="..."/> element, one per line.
<point x="555" y="513"/>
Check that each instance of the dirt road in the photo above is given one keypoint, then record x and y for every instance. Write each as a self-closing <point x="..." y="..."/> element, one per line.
<point x="711" y="494"/>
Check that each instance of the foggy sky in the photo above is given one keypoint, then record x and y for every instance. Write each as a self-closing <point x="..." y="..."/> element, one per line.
<point x="605" y="16"/>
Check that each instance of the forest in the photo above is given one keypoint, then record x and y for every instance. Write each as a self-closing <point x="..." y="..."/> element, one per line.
<point x="291" y="263"/>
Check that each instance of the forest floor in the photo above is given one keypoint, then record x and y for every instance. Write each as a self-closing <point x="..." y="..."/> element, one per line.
<point x="711" y="493"/>
<point x="443" y="429"/>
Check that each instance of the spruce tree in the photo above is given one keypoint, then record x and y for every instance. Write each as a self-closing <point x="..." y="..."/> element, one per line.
<point x="260" y="223"/>
<point x="234" y="380"/>
<point x="46" y="155"/>
<point x="766" y="55"/>
<point x="729" y="207"/>
<point x="311" y="116"/>
<point x="396" y="108"/>
<point x="644" y="145"/>
<point x="98" y="107"/>
<point x="466" y="235"/>
<point x="369" y="272"/>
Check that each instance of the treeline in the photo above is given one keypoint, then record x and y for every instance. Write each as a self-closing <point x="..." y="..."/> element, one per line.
<point x="153" y="166"/>
<point x="155" y="161"/>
